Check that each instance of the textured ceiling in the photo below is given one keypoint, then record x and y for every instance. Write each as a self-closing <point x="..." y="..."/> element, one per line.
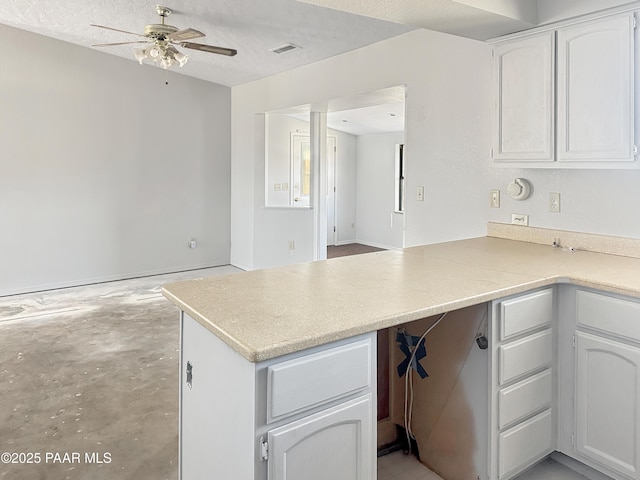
<point x="323" y="28"/>
<point x="250" y="26"/>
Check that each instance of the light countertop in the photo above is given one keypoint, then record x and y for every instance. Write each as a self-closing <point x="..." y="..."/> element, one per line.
<point x="264" y="314"/>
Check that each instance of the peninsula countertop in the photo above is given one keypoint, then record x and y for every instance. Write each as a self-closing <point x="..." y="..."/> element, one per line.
<point x="263" y="314"/>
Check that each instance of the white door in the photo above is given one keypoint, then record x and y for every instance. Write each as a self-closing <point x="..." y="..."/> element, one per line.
<point x="332" y="229"/>
<point x="524" y="112"/>
<point x="595" y="90"/>
<point x="607" y="403"/>
<point x="334" y="444"/>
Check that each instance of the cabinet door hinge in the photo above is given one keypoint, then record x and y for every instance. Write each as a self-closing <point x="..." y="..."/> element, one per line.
<point x="574" y="344"/>
<point x="573" y="440"/>
<point x="635" y="22"/>
<point x="264" y="450"/>
<point x="635" y="150"/>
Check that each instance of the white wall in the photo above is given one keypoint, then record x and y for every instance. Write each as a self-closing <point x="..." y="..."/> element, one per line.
<point x="377" y="223"/>
<point x="107" y="168"/>
<point x="447" y="136"/>
<point x="447" y="150"/>
<point x="605" y="202"/>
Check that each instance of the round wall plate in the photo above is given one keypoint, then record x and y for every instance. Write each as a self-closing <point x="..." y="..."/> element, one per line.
<point x="519" y="189"/>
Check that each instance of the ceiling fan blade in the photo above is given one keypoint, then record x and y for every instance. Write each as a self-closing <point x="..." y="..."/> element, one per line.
<point x="116" y="30"/>
<point x="209" y="48"/>
<point x="186" y="34"/>
<point x="119" y="43"/>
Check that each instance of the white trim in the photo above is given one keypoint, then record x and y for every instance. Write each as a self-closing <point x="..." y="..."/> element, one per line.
<point x="106" y="278"/>
<point x="378" y="245"/>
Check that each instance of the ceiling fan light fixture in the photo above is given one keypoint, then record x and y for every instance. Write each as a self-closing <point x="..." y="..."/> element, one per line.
<point x="140" y="55"/>
<point x="166" y="62"/>
<point x="162" y="40"/>
<point x="181" y="58"/>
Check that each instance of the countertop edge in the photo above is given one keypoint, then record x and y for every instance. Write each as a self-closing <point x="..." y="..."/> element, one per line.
<point x="255" y="355"/>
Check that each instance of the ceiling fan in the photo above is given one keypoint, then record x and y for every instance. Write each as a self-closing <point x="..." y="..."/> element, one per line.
<point x="163" y="40"/>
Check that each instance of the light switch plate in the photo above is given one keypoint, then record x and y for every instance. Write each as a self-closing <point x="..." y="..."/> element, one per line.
<point x="494" y="198"/>
<point x="554" y="202"/>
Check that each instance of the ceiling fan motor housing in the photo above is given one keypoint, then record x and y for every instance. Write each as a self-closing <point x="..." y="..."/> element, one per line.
<point x="159" y="32"/>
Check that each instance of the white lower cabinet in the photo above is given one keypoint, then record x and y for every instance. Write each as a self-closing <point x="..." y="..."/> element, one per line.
<point x="525" y="443"/>
<point x="522" y="378"/>
<point x="607" y="382"/>
<point x="331" y="444"/>
<point x="608" y="403"/>
<point x="308" y="415"/>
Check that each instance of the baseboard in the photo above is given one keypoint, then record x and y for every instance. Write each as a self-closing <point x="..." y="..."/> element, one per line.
<point x="103" y="279"/>
<point x="345" y="242"/>
<point x="375" y="244"/>
<point x="246" y="268"/>
<point x="578" y="467"/>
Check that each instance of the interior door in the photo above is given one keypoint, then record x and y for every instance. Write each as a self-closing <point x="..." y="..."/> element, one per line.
<point x="332" y="228"/>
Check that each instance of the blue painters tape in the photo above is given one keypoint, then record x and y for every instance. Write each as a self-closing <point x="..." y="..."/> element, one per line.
<point x="407" y="344"/>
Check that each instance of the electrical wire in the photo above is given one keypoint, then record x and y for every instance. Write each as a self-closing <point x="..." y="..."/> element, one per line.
<point x="408" y="381"/>
<point x="408" y="384"/>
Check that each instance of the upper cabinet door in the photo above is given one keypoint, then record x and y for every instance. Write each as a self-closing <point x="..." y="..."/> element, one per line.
<point x="595" y="91"/>
<point x="524" y="110"/>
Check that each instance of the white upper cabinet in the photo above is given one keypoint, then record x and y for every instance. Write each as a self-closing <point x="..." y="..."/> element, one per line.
<point x="595" y="91"/>
<point x="564" y="96"/>
<point x="524" y="98"/>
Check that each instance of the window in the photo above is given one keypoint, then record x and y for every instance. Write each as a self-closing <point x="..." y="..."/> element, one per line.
<point x="399" y="178"/>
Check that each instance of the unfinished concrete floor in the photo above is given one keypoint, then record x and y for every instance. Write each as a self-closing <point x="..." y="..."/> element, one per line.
<point x="91" y="372"/>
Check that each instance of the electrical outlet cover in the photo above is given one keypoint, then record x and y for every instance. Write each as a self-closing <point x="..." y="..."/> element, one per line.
<point x="519" y="219"/>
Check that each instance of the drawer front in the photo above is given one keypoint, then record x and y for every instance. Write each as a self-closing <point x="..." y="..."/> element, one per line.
<point x="312" y="380"/>
<point x="525" y="444"/>
<point x="524" y="398"/>
<point x="525" y="313"/>
<point x="609" y="314"/>
<point x="525" y="356"/>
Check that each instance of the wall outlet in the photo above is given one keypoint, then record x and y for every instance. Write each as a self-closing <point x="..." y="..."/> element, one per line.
<point x="519" y="219"/>
<point x="420" y="194"/>
<point x="554" y="202"/>
<point x="192" y="243"/>
<point x="494" y="199"/>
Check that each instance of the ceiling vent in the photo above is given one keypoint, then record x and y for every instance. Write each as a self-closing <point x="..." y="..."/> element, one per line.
<point x="287" y="47"/>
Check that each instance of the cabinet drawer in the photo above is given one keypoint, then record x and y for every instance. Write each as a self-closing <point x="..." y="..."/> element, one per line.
<point x="312" y="380"/>
<point x="525" y="444"/>
<point x="609" y="314"/>
<point x="525" y="313"/>
<point x="525" y="356"/>
<point x="524" y="398"/>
